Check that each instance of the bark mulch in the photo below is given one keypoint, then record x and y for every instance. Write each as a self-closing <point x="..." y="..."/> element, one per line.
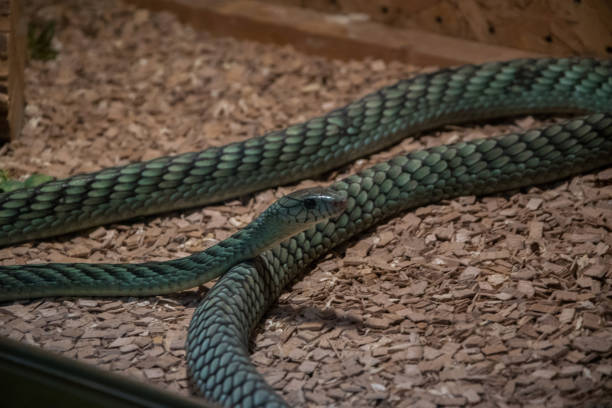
<point x="501" y="300"/>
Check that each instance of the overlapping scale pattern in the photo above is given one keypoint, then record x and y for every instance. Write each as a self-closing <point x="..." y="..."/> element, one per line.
<point x="306" y="149"/>
<point x="217" y="342"/>
<point x="133" y="279"/>
<point x="217" y="345"/>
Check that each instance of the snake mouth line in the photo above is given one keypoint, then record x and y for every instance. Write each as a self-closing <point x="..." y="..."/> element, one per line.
<point x="339" y="208"/>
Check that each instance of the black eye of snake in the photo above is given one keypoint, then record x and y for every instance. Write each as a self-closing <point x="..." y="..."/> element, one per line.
<point x="310" y="203"/>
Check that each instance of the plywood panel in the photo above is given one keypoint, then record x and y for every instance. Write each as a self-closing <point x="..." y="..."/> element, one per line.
<point x="343" y="37"/>
<point x="553" y="27"/>
<point x="12" y="65"/>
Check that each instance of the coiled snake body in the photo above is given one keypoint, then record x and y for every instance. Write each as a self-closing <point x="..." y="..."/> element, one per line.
<point x="217" y="342"/>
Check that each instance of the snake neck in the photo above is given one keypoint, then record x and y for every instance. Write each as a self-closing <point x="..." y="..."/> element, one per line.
<point x="242" y="245"/>
<point x="140" y="279"/>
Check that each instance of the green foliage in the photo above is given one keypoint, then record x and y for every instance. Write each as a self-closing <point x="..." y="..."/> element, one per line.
<point x="40" y="36"/>
<point x="36" y="179"/>
<point x="7" y="184"/>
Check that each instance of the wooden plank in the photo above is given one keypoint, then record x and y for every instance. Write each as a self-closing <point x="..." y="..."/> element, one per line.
<point x="560" y="28"/>
<point x="332" y="36"/>
<point x="13" y="37"/>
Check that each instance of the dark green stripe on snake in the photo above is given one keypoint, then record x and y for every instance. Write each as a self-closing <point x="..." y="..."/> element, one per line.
<point x="303" y="150"/>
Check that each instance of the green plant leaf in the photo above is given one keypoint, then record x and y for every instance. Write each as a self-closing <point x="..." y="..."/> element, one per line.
<point x="36" y="179"/>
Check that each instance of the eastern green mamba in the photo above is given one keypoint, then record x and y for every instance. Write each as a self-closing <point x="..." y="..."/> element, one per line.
<point x="217" y="345"/>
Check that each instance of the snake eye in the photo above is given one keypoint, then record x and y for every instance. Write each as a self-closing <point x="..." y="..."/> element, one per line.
<point x="310" y="203"/>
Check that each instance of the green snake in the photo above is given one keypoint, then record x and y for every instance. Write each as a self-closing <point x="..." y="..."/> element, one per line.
<point x="286" y="217"/>
<point x="252" y="276"/>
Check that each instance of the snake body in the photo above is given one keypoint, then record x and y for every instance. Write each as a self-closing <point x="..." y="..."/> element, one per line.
<point x="303" y="150"/>
<point x="285" y="218"/>
<point x="217" y="341"/>
<point x="217" y="346"/>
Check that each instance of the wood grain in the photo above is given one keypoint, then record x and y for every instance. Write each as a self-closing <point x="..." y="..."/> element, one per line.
<point x="558" y="28"/>
<point x="335" y="36"/>
<point x="12" y="65"/>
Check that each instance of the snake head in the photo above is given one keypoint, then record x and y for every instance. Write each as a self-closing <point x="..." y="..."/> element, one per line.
<point x="288" y="216"/>
<point x="296" y="212"/>
<point x="311" y="205"/>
